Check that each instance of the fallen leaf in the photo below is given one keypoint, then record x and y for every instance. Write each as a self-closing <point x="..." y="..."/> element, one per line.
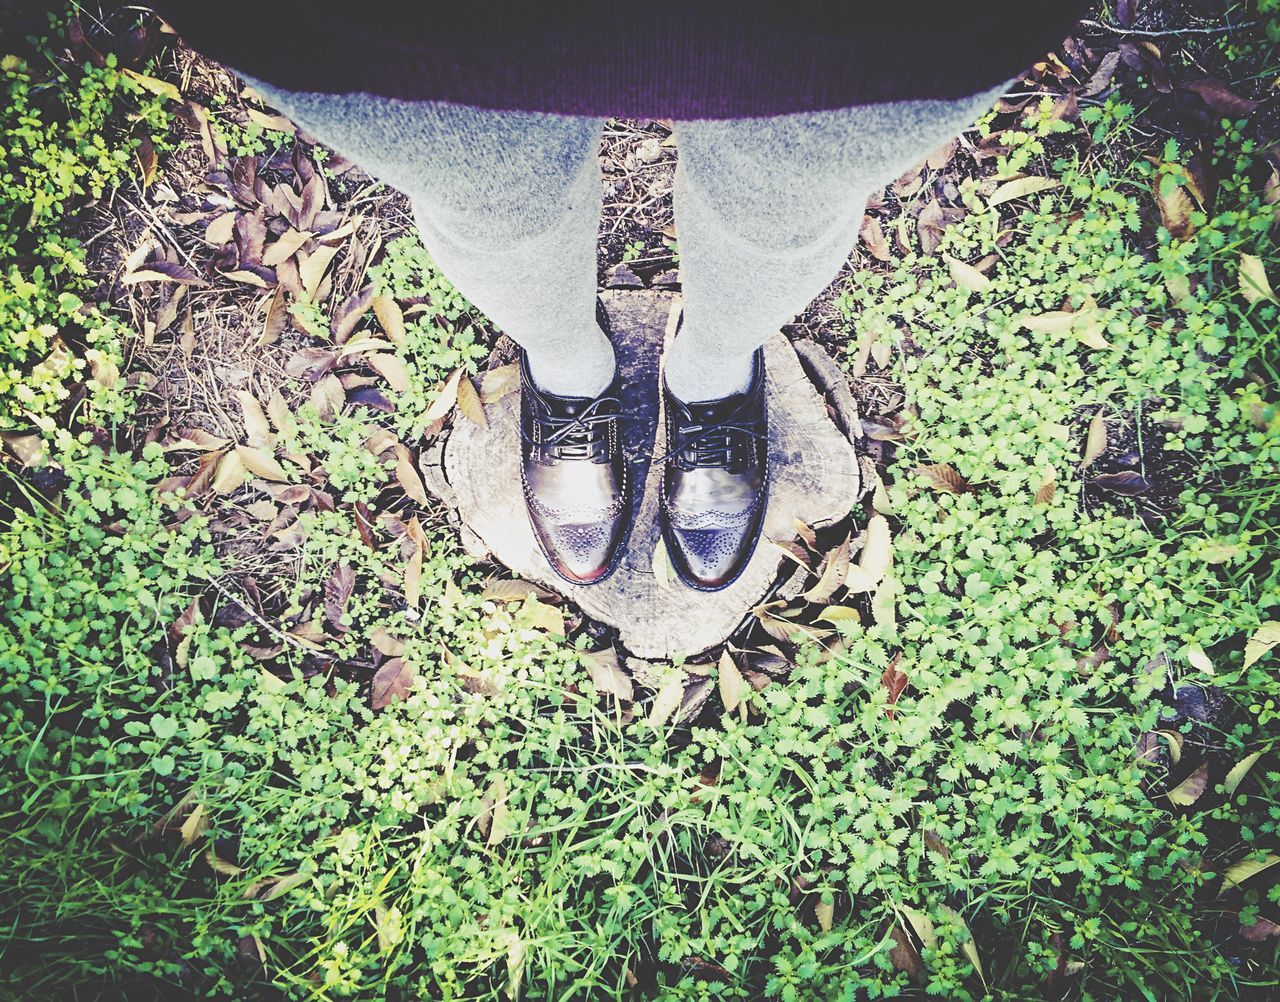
<point x="1189" y="790"/>
<point x="1264" y="638"/>
<point x="894" y="682"/>
<point x="230" y="474"/>
<point x="824" y="912"/>
<point x="446" y="397"/>
<point x="469" y="403"/>
<point x="288" y="244"/>
<point x="1175" y="207"/>
<point x="607" y="674"/>
<point x="276" y="318"/>
<point x="837" y="614"/>
<point x="497" y="383"/>
<point x="966" y="276"/>
<point x="944" y="478"/>
<point x="312" y="268"/>
<point x="1260" y="930"/>
<point x="261" y="463"/>
<point x="391" y="681"/>
<point x="833" y="574"/>
<point x="219" y="231"/>
<point x="1240" y="872"/>
<point x="385" y="643"/>
<point x="921" y="925"/>
<point x="969" y="947"/>
<point x="873" y="236"/>
<point x="1239" y="771"/>
<point x="256" y="429"/>
<point x="162" y="271"/>
<point x="875" y="558"/>
<point x="1253" y="280"/>
<point x="337" y="593"/>
<point x="732" y="685"/>
<point x="1053" y="322"/>
<point x="1127" y="483"/>
<point x="661" y="565"/>
<point x="903" y="954"/>
<point x="196" y="824"/>
<point x="161" y="88"/>
<point x="390" y="316"/>
<point x="407" y="476"/>
<point x="1096" y="441"/>
<point x="667" y="701"/>
<point x="413" y="578"/>
<point x="545" y="617"/>
<point x="1047" y="489"/>
<point x="1021" y="188"/>
<point x="1221" y="98"/>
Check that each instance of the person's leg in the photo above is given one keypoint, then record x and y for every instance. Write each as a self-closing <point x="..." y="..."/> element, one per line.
<point x="766" y="213"/>
<point x="508" y="204"/>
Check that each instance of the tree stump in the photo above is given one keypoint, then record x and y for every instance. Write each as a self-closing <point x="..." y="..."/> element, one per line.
<point x="814" y="478"/>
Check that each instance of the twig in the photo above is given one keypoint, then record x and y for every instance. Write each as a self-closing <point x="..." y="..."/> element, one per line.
<point x="1216" y="30"/>
<point x="278" y="634"/>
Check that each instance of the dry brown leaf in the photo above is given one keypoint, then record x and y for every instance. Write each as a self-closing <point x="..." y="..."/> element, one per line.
<point x="390" y="316"/>
<point x="391" y="682"/>
<point x="276" y="318"/>
<point x="1047" y="489"/>
<point x="413" y="578"/>
<point x="446" y="397"/>
<point x="966" y="276"/>
<point x="873" y="236"/>
<point x="944" y="478"/>
<point x="1095" y="441"/>
<point x="607" y="674"/>
<point x="1021" y="188"/>
<point x="288" y="244"/>
<point x="545" y="617"/>
<point x="261" y="463"/>
<point x="162" y="271"/>
<point x="733" y="687"/>
<point x="230" y="475"/>
<point x="220" y="230"/>
<point x="392" y="369"/>
<point x="874" y="560"/>
<point x="470" y="404"/>
<point x="337" y="593"/>
<point x="497" y="383"/>
<point x="312" y="268"/>
<point x="256" y="430"/>
<point x="1190" y="789"/>
<point x="1253" y="280"/>
<point x="408" y="477"/>
<point x="1054" y="322"/>
<point x="668" y="700"/>
<point x="1175" y="210"/>
<point x="833" y="574"/>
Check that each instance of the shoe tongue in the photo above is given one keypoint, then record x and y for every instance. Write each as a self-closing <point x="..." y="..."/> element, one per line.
<point x="711" y="411"/>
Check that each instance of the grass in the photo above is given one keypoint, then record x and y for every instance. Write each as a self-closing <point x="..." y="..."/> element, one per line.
<point x="1037" y="760"/>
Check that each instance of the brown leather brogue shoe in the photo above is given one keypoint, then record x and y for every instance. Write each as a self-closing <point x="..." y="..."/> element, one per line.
<point x="715" y="483"/>
<point x="575" y="478"/>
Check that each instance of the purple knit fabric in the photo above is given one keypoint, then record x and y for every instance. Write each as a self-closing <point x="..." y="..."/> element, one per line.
<point x="678" y="59"/>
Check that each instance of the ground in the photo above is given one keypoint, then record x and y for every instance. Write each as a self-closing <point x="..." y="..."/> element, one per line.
<point x="272" y="733"/>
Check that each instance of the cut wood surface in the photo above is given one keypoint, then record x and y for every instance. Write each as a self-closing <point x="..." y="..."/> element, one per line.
<point x="813" y="468"/>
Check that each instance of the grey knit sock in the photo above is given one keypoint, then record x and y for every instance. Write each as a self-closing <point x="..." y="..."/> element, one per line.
<point x="508" y="205"/>
<point x="766" y="213"/>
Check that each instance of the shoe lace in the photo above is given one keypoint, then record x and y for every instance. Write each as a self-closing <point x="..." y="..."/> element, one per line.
<point x="713" y="444"/>
<point x="584" y="435"/>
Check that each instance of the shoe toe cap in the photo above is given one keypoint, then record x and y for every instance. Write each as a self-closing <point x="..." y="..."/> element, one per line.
<point x="712" y="557"/>
<point x="580" y="552"/>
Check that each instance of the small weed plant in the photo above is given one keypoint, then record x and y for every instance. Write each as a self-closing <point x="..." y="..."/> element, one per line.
<point x="191" y="813"/>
